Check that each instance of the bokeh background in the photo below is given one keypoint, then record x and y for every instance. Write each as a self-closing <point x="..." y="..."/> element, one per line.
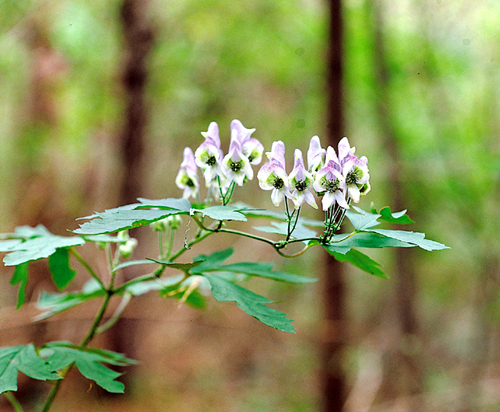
<point x="98" y="100"/>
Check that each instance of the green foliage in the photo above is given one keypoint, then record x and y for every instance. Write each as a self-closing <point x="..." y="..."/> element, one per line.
<point x="357" y="259"/>
<point x="250" y="302"/>
<point x="222" y="213"/>
<point x="89" y="362"/>
<point x="54" y="303"/>
<point x="20" y="276"/>
<point x="62" y="274"/>
<point x="36" y="243"/>
<point x="22" y="358"/>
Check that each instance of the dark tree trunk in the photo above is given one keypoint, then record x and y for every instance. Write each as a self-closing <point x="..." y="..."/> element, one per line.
<point x="333" y="379"/>
<point x="138" y="41"/>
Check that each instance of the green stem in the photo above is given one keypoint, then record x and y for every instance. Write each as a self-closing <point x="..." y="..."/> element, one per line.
<point x="13" y="401"/>
<point x="86" y="266"/>
<point x="116" y="316"/>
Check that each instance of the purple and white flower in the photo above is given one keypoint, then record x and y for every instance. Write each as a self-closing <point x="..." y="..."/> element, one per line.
<point x="250" y="147"/>
<point x="187" y="177"/>
<point x="356" y="175"/>
<point x="315" y="155"/>
<point x="209" y="156"/>
<point x="235" y="164"/>
<point x="301" y="182"/>
<point x="330" y="183"/>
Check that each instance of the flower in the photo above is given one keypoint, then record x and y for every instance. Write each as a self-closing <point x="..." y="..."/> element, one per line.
<point x="208" y="156"/>
<point x="315" y="155"/>
<point x="277" y="153"/>
<point x="187" y="177"/>
<point x="235" y="164"/>
<point x="272" y="175"/>
<point x="301" y="182"/>
<point x="250" y="147"/>
<point x="357" y="177"/>
<point x="330" y="183"/>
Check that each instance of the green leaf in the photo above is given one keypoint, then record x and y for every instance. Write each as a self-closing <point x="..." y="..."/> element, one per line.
<point x="89" y="362"/>
<point x="249" y="302"/>
<point x="7" y="245"/>
<point x="369" y="240"/>
<point x="170" y="203"/>
<point x="104" y="239"/>
<point x="360" y="260"/>
<point x="62" y="274"/>
<point x="54" y="303"/>
<point x="400" y="218"/>
<point x="133" y="263"/>
<point x="38" y="243"/>
<point x="140" y="288"/>
<point x="20" y="276"/>
<point x="114" y="221"/>
<point x="222" y="213"/>
<point x="336" y="248"/>
<point x="22" y="358"/>
<point x="176" y="265"/>
<point x="264" y="270"/>
<point x="413" y="238"/>
<point x="211" y="262"/>
<point x="362" y="220"/>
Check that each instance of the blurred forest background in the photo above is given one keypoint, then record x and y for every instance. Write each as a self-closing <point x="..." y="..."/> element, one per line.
<point x="81" y="79"/>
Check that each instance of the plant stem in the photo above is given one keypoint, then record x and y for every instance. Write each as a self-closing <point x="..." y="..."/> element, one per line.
<point x="87" y="267"/>
<point x="13" y="401"/>
<point x="91" y="333"/>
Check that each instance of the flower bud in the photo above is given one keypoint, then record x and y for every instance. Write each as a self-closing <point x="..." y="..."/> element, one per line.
<point x="128" y="247"/>
<point x="174" y="221"/>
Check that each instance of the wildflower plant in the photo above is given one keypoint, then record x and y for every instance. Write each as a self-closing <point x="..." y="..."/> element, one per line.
<point x="335" y="178"/>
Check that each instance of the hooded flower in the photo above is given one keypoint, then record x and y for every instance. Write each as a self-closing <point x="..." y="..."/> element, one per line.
<point x="277" y="153"/>
<point x="250" y="147"/>
<point x="357" y="177"/>
<point x="187" y="177"/>
<point x="235" y="164"/>
<point x="315" y="155"/>
<point x="301" y="182"/>
<point x="330" y="183"/>
<point x="209" y="155"/>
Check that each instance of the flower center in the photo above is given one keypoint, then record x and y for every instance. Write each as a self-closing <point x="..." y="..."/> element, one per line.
<point x="235" y="166"/>
<point x="352" y="177"/>
<point x="211" y="161"/>
<point x="190" y="183"/>
<point x="301" y="186"/>
<point x="332" y="185"/>
<point x="278" y="183"/>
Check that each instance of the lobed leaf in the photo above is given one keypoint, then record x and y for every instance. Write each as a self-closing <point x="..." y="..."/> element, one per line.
<point x="412" y="238"/>
<point x="62" y="274"/>
<point x="360" y="260"/>
<point x="250" y="302"/>
<point x="22" y="358"/>
<point x="222" y="213"/>
<point x="38" y="243"/>
<point x="89" y="362"/>
<point x="55" y="303"/>
<point x="20" y="276"/>
<point x="264" y="270"/>
<point x="369" y="240"/>
<point x="115" y="221"/>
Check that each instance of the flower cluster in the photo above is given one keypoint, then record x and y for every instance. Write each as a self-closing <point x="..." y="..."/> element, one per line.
<point x="337" y="178"/>
<point x="221" y="172"/>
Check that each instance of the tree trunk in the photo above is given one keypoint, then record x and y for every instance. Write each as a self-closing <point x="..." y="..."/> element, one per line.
<point x="333" y="379"/>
